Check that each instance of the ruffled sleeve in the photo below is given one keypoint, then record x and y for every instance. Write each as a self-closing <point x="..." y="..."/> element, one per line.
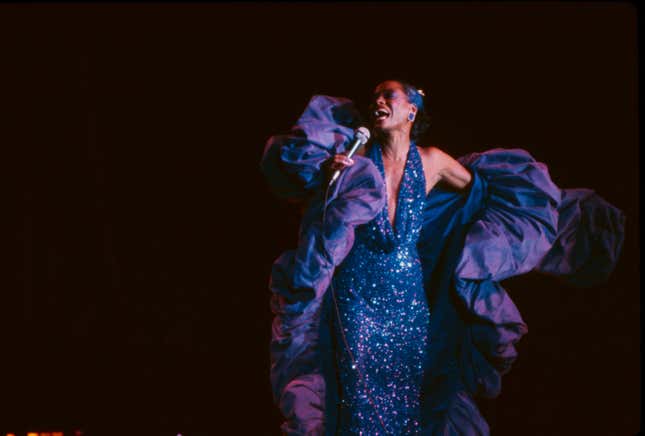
<point x="291" y="162"/>
<point x="513" y="230"/>
<point x="519" y="220"/>
<point x="525" y="223"/>
<point x="590" y="239"/>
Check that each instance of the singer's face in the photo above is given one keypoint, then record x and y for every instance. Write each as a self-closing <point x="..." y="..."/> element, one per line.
<point x="390" y="107"/>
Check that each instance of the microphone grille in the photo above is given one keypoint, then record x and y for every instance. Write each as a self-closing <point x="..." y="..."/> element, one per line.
<point x="363" y="133"/>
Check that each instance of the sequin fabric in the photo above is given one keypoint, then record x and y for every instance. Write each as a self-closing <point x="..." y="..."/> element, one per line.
<point x="384" y="315"/>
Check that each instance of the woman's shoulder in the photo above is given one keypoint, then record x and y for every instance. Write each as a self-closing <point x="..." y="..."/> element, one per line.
<point x="430" y="150"/>
<point x="431" y="154"/>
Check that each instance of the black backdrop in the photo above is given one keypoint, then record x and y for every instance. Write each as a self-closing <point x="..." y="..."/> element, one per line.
<point x="136" y="298"/>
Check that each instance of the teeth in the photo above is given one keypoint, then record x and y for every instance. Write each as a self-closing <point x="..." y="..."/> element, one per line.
<point x="380" y="113"/>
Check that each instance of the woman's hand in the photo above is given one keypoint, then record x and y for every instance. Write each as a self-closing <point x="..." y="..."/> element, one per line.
<point x="340" y="162"/>
<point x="337" y="162"/>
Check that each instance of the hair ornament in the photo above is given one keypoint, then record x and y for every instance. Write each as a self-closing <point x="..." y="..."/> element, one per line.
<point x="422" y="92"/>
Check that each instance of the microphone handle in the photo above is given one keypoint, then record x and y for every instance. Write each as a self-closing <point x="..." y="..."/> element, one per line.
<point x="355" y="146"/>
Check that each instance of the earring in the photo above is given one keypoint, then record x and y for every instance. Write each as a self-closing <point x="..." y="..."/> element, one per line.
<point x="411" y="116"/>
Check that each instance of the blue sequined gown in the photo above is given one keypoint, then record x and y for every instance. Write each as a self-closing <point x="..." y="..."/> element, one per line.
<point x="384" y="315"/>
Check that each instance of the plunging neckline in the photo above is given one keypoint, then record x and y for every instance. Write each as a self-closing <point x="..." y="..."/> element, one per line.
<point x="394" y="225"/>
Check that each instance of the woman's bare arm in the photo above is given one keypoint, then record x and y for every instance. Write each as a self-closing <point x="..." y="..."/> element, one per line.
<point x="440" y="166"/>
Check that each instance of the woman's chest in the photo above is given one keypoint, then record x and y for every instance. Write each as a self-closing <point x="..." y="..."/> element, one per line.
<point x="393" y="175"/>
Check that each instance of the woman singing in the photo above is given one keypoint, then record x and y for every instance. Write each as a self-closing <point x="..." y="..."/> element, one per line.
<point x="389" y="316"/>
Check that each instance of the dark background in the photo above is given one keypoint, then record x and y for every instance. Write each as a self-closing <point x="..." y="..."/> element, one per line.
<point x="136" y="297"/>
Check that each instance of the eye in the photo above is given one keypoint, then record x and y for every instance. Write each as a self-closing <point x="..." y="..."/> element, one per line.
<point x="388" y="94"/>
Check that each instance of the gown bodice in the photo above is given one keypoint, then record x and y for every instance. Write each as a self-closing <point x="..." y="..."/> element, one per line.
<point x="408" y="218"/>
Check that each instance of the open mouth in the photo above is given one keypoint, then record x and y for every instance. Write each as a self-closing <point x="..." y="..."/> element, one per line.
<point x="381" y="114"/>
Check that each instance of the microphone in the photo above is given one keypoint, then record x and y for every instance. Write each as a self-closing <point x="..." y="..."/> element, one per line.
<point x="361" y="136"/>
